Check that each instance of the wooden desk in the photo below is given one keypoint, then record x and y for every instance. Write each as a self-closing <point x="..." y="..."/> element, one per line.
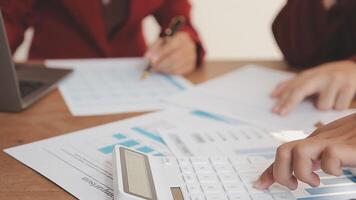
<point x="50" y="117"/>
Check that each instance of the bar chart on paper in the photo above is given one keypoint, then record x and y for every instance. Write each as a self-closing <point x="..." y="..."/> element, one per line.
<point x="85" y="157"/>
<point x="331" y="188"/>
<point x="230" y="138"/>
<point x="152" y="146"/>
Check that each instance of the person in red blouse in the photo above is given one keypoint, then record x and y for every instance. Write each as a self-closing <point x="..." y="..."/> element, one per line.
<point x="103" y="28"/>
<point x="320" y="37"/>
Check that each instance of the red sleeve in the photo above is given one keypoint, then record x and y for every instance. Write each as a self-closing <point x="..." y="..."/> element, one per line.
<point x="307" y="33"/>
<point x="173" y="8"/>
<point x="354" y="58"/>
<point x="17" y="17"/>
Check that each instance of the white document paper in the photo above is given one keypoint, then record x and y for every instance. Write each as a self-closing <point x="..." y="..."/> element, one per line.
<point x="245" y="94"/>
<point x="243" y="139"/>
<point x="229" y="137"/>
<point x="105" y="86"/>
<point x="80" y="162"/>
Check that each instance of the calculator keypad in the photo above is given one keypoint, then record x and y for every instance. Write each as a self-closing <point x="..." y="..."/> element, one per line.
<point x="221" y="178"/>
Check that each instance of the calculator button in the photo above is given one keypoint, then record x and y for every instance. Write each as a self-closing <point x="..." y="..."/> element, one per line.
<point x="283" y="196"/>
<point x="239" y="160"/>
<point x="240" y="196"/>
<point x="207" y="178"/>
<point x="234" y="187"/>
<point x="220" y="196"/>
<point x="251" y="189"/>
<point x="219" y="160"/>
<point x="228" y="177"/>
<point x="275" y="188"/>
<point x="249" y="177"/>
<point x="203" y="168"/>
<point x="190" y="178"/>
<point x="244" y="168"/>
<point x="187" y="169"/>
<point x="201" y="160"/>
<point x="223" y="168"/>
<point x="194" y="189"/>
<point x="212" y="188"/>
<point x="262" y="196"/>
<point x="197" y="197"/>
<point x="183" y="161"/>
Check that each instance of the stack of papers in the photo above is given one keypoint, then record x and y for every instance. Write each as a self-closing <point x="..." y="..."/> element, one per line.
<point x="81" y="162"/>
<point x="227" y="116"/>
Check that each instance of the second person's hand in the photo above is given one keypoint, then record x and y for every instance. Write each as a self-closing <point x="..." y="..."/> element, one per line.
<point x="329" y="148"/>
<point x="173" y="55"/>
<point x="334" y="84"/>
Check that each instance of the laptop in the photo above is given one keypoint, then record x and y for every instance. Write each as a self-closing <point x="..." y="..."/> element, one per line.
<point x="138" y="176"/>
<point x="23" y="84"/>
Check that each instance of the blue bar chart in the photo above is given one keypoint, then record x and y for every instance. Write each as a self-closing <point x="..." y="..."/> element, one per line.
<point x="129" y="142"/>
<point x="215" y="117"/>
<point x="333" y="188"/>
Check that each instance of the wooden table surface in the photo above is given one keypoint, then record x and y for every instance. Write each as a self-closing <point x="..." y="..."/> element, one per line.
<point x="50" y="117"/>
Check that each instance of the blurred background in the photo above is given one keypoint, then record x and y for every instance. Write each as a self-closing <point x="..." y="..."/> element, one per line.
<point x="230" y="29"/>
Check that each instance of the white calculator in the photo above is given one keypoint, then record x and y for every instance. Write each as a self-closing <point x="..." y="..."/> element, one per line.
<point x="138" y="176"/>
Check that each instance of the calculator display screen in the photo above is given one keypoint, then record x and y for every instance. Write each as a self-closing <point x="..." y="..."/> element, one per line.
<point x="137" y="177"/>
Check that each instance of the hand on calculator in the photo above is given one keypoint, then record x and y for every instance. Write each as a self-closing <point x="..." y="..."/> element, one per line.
<point x="329" y="148"/>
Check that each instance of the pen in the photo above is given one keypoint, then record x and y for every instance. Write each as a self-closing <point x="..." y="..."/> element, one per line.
<point x="174" y="26"/>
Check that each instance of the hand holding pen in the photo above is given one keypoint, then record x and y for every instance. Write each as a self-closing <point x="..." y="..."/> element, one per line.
<point x="173" y="53"/>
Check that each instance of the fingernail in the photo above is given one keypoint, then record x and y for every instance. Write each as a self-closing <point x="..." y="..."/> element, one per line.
<point x="258" y="184"/>
<point x="276" y="109"/>
<point x="314" y="184"/>
<point x="283" y="111"/>
<point x="293" y="184"/>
